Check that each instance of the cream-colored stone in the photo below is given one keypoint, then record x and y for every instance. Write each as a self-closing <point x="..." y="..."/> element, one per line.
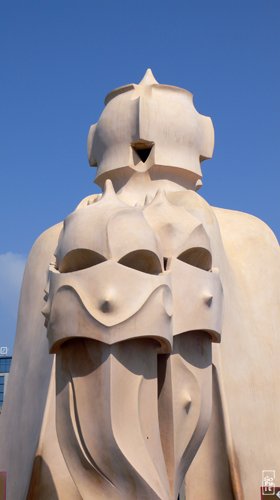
<point x="132" y="124"/>
<point x="245" y="363"/>
<point x="141" y="284"/>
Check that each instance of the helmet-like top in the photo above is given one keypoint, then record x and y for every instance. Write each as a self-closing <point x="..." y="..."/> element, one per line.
<point x="150" y="126"/>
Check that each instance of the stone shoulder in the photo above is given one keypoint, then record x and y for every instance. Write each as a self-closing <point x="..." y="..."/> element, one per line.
<point x="48" y="238"/>
<point x="246" y="227"/>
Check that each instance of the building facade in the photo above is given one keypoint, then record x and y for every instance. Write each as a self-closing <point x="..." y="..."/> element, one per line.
<point x="5" y="365"/>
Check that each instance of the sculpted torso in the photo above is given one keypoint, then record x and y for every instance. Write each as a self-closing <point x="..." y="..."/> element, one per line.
<point x="158" y="313"/>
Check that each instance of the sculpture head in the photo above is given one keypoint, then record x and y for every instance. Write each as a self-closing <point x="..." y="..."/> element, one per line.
<point x="150" y="127"/>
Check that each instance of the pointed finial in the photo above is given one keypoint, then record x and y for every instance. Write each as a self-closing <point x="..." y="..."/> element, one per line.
<point x="109" y="195"/>
<point x="108" y="189"/>
<point x="148" y="78"/>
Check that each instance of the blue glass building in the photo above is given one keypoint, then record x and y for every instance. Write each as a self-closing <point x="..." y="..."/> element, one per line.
<point x="5" y="364"/>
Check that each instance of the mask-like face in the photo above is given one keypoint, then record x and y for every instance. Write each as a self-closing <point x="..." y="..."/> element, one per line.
<point x="109" y="278"/>
<point x="130" y="132"/>
<point x="196" y="286"/>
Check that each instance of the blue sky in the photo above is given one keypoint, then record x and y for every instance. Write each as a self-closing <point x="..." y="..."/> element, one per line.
<point x="60" y="58"/>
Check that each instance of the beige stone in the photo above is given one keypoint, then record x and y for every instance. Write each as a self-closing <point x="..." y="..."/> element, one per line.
<point x="162" y="317"/>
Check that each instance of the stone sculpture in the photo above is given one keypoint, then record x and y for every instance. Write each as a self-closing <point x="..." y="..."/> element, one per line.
<point x="161" y="317"/>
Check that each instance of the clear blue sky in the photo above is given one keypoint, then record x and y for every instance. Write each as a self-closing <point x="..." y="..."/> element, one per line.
<point x="60" y="58"/>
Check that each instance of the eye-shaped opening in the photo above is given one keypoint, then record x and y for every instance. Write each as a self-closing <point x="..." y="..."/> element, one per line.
<point x="142" y="149"/>
<point x="145" y="261"/>
<point x="197" y="257"/>
<point x="80" y="258"/>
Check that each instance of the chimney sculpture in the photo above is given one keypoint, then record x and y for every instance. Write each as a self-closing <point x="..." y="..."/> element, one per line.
<point x="154" y="373"/>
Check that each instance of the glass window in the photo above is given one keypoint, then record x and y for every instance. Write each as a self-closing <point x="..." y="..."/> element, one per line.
<point x="5" y="364"/>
